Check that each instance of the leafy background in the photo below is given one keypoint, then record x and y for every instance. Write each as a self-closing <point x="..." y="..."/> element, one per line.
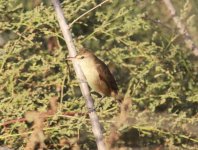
<point x="140" y="43"/>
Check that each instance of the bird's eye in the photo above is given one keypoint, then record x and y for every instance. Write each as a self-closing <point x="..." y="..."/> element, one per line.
<point x="82" y="57"/>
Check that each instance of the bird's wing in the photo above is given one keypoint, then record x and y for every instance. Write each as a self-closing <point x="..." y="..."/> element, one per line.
<point x="106" y="76"/>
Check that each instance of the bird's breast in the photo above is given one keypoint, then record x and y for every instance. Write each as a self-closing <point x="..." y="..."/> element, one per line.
<point x="90" y="71"/>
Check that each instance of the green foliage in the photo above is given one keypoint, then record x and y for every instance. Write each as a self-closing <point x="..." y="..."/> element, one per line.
<point x="149" y="65"/>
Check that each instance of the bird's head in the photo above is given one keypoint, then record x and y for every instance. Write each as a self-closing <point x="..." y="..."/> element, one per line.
<point x="83" y="55"/>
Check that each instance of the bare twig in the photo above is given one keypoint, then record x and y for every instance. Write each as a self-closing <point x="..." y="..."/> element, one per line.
<point x="181" y="27"/>
<point x="96" y="128"/>
<point x="68" y="114"/>
<point x="122" y="118"/>
<point x="88" y="12"/>
<point x="37" y="137"/>
<point x="12" y="121"/>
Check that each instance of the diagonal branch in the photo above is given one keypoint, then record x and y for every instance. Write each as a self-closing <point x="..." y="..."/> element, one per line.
<point x="181" y="27"/>
<point x="96" y="128"/>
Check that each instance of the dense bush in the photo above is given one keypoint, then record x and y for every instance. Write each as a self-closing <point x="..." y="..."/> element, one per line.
<point x="149" y="61"/>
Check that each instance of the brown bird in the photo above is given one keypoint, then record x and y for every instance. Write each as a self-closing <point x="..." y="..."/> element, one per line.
<point x="97" y="73"/>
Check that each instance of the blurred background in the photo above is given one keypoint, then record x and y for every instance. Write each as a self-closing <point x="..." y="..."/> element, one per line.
<point x="142" y="47"/>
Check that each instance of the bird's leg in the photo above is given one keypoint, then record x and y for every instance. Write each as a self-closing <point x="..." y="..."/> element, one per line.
<point x="101" y="98"/>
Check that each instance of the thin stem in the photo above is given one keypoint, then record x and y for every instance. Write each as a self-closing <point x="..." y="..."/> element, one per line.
<point x="88" y="12"/>
<point x="96" y="128"/>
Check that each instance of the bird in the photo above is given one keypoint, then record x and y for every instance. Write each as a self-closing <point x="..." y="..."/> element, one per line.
<point x="97" y="73"/>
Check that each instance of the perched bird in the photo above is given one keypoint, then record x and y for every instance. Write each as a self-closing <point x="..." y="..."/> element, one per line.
<point x="96" y="73"/>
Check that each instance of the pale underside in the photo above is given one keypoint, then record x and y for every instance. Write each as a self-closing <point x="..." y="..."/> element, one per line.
<point x="95" y="80"/>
